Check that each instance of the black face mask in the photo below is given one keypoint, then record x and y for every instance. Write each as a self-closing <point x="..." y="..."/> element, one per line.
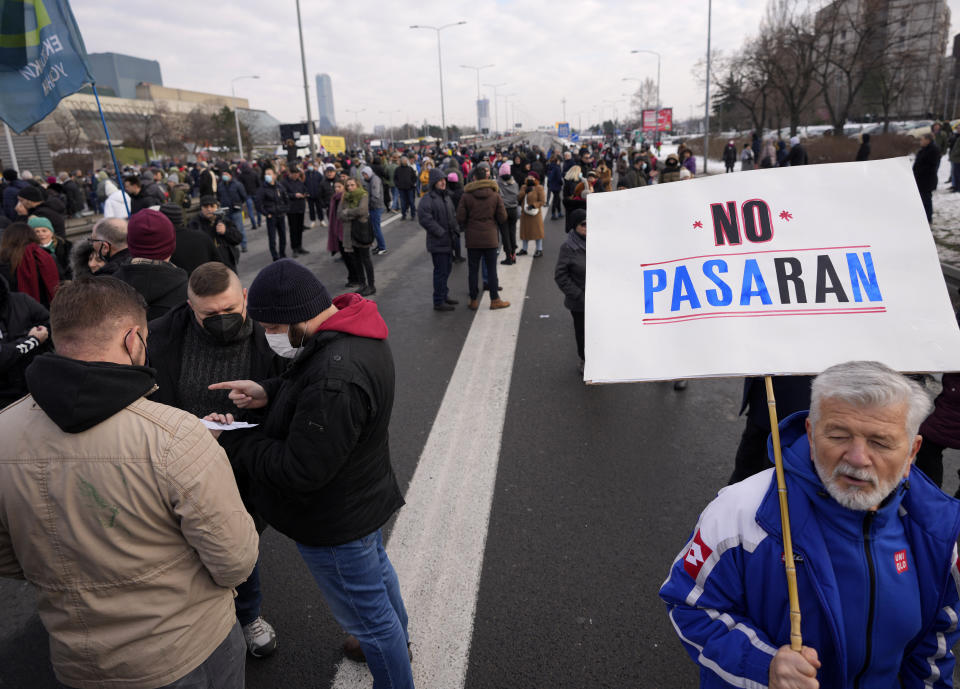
<point x="224" y="328"/>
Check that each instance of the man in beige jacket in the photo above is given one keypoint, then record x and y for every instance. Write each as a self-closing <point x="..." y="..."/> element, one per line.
<point x="123" y="513"/>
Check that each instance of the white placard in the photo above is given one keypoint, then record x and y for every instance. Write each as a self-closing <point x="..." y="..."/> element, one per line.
<point x="780" y="271"/>
<point x="235" y="426"/>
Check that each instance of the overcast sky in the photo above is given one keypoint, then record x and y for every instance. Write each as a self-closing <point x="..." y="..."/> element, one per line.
<point x="543" y="50"/>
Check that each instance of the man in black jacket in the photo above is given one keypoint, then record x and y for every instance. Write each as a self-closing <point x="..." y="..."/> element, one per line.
<point x="109" y="240"/>
<point x="207" y="339"/>
<point x="152" y="241"/>
<point x="326" y="188"/>
<point x="439" y="218"/>
<point x="142" y="196"/>
<point x="925" y="167"/>
<point x="251" y="183"/>
<point x="219" y="228"/>
<point x="405" y="179"/>
<point x="23" y="332"/>
<point x="319" y="466"/>
<point x="273" y="203"/>
<point x="194" y="247"/>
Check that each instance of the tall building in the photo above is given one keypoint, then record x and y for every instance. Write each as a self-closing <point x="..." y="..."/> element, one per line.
<point x="897" y="46"/>
<point x="122" y="73"/>
<point x="328" y="120"/>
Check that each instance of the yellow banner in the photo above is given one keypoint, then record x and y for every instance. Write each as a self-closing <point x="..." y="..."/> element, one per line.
<point x="334" y="144"/>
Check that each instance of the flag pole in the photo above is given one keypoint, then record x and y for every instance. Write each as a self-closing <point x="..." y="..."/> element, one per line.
<point x="796" y="640"/>
<point x="116" y="167"/>
<point x="13" y="153"/>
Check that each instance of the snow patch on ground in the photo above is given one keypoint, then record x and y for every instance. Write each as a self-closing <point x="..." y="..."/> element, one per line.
<point x="946" y="218"/>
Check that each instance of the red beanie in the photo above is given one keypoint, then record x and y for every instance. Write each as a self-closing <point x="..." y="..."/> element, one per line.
<point x="150" y="234"/>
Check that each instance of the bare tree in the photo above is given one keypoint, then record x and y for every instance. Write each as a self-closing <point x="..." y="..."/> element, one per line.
<point x="67" y="135"/>
<point x="889" y="81"/>
<point x="148" y="126"/>
<point x="644" y="98"/>
<point x="789" y="44"/>
<point x="744" y="81"/>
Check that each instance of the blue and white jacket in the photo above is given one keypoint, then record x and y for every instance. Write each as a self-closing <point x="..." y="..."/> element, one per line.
<point x="878" y="590"/>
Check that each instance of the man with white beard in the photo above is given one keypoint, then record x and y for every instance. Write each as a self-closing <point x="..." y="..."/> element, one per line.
<point x="874" y="549"/>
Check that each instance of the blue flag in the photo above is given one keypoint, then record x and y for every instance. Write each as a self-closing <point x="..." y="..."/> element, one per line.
<point x="42" y="59"/>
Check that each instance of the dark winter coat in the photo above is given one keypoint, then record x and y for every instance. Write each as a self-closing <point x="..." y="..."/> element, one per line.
<point x="249" y="179"/>
<point x="272" y="199"/>
<point x="150" y="195"/>
<point x="18" y="314"/>
<point x="10" y="194"/>
<point x="165" y="351"/>
<point x="231" y="194"/>
<point x="729" y="155"/>
<point x="326" y="190"/>
<point x="193" y="249"/>
<point x="438" y="217"/>
<point x="943" y="425"/>
<point x="52" y="212"/>
<point x="797" y="155"/>
<point x="312" y="183"/>
<point x="319" y="466"/>
<point x="75" y="200"/>
<point x="225" y="243"/>
<point x="61" y="254"/>
<point x="863" y="153"/>
<point x="571" y="271"/>
<point x="480" y="213"/>
<point x="113" y="264"/>
<point x="162" y="285"/>
<point x="554" y="177"/>
<point x="925" y="167"/>
<point x="294" y="186"/>
<point x="405" y="177"/>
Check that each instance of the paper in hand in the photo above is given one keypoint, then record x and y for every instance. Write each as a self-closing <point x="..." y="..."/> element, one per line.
<point x="236" y="425"/>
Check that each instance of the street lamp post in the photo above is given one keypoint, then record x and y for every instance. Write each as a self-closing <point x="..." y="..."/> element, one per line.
<point x="236" y="117"/>
<point x="496" y="109"/>
<point x="478" y="90"/>
<point x="438" y="29"/>
<point x="389" y="114"/>
<point x="506" y="111"/>
<point x="306" y="88"/>
<point x="356" y="119"/>
<point x="657" y="116"/>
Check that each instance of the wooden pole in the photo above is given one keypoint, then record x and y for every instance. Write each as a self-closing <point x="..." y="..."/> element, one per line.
<point x="796" y="640"/>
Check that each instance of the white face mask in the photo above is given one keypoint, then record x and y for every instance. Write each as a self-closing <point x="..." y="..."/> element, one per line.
<point x="280" y="343"/>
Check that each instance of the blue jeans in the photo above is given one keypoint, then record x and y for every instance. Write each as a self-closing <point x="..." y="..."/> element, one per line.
<point x="251" y="209"/>
<point x="247" y="602"/>
<point x="407" y="202"/>
<point x="236" y="216"/>
<point x="395" y="198"/>
<point x="441" y="273"/>
<point x="375" y="214"/>
<point x="360" y="586"/>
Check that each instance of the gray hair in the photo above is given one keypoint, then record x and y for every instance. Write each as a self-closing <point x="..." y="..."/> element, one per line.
<point x="866" y="384"/>
<point x="113" y="230"/>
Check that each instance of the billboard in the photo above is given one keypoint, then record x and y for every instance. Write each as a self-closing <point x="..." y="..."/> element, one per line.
<point x="563" y="130"/>
<point x="658" y="120"/>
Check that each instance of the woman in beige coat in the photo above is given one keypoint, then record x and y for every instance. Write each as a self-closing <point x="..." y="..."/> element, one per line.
<point x="531" y="197"/>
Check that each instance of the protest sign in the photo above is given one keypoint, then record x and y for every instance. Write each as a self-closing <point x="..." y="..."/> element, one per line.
<point x="780" y="271"/>
<point x="333" y="144"/>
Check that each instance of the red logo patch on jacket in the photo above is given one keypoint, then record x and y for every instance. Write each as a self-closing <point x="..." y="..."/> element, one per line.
<point x="900" y="560"/>
<point x="696" y="556"/>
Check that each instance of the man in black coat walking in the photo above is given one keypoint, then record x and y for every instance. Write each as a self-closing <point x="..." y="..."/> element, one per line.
<point x="205" y="340"/>
<point x="219" y="228"/>
<point x="319" y="465"/>
<point x="925" y="167"/>
<point x="438" y="217"/>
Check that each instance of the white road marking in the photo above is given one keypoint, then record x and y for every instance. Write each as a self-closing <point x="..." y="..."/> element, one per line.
<point x="438" y="542"/>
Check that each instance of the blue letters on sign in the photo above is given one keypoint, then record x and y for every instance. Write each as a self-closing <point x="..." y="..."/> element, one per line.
<point x="683" y="290"/>
<point x="869" y="277"/>
<point x="723" y="295"/>
<point x="653" y="281"/>
<point x="751" y="275"/>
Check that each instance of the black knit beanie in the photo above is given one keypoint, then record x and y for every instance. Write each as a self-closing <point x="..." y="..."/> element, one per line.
<point x="286" y="292"/>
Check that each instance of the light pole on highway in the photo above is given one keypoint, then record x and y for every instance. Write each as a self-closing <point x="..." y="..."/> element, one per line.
<point x="478" y="89"/>
<point x="356" y="119"/>
<point x="389" y="114"/>
<point x="496" y="109"/>
<point x="236" y="117"/>
<point x="438" y="29"/>
<point x="306" y="88"/>
<point x="657" y="116"/>
<point x="506" y="111"/>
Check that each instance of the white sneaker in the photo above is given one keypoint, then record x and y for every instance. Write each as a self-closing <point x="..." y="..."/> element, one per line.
<point x="261" y="638"/>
